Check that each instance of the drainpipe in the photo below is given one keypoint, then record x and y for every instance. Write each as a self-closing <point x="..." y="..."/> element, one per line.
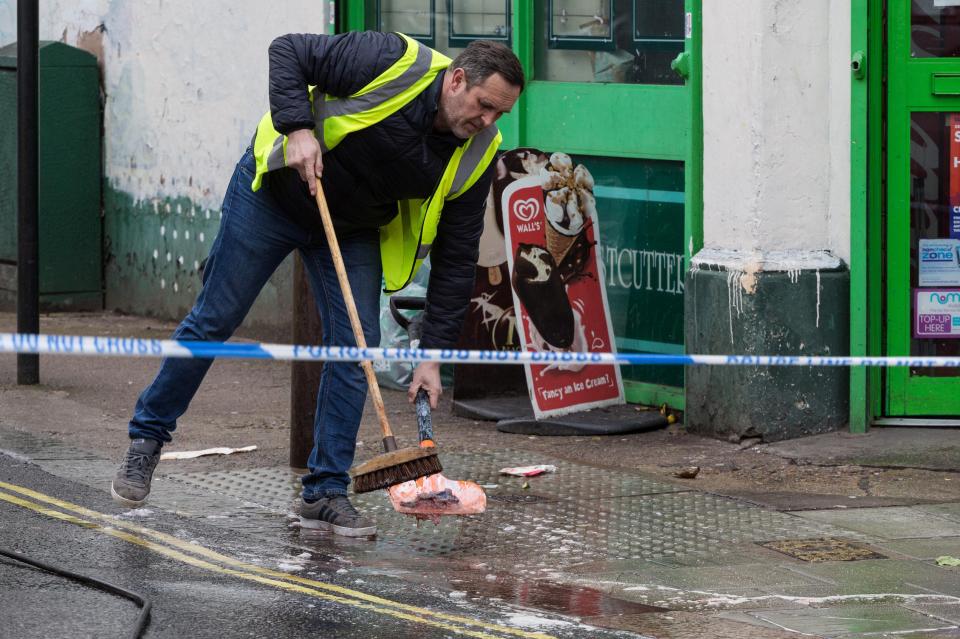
<point x="28" y="273"/>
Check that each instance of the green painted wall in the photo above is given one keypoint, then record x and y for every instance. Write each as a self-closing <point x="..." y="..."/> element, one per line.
<point x="152" y="251"/>
<point x="641" y="209"/>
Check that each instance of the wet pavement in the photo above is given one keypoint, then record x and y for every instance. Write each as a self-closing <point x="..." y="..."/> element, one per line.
<point x="832" y="536"/>
<point x="210" y="581"/>
<point x="583" y="552"/>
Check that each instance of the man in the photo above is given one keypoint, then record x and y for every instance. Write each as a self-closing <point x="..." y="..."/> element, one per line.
<point x="402" y="142"/>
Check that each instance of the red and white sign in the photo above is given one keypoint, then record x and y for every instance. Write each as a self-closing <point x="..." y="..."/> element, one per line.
<point x="551" y="232"/>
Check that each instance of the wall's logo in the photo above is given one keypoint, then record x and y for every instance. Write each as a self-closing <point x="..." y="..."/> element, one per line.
<point x="945" y="298"/>
<point x="527" y="209"/>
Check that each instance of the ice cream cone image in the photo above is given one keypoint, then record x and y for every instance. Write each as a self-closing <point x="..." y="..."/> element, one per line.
<point x="569" y="203"/>
<point x="559" y="239"/>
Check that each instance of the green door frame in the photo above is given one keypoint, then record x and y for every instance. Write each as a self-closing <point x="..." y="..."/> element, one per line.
<point x="866" y="206"/>
<point x="670" y="127"/>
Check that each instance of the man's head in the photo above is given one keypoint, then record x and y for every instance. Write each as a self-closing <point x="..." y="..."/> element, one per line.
<point x="482" y="84"/>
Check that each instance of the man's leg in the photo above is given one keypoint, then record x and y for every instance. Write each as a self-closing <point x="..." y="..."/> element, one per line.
<point x="254" y="238"/>
<point x="343" y="386"/>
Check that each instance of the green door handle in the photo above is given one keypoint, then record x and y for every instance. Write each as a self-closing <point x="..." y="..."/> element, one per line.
<point x="681" y="65"/>
<point x="858" y="65"/>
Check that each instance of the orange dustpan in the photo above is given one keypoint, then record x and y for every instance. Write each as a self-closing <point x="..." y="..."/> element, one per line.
<point x="433" y="496"/>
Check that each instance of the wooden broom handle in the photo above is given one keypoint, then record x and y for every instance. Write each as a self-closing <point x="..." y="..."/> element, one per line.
<point x="352" y="312"/>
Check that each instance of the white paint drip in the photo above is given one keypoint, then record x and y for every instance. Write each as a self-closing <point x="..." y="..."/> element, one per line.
<point x="734" y="297"/>
<point x="818" y="298"/>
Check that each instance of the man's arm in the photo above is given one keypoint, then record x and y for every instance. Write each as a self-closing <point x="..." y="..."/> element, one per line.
<point x="339" y="65"/>
<point x="453" y="263"/>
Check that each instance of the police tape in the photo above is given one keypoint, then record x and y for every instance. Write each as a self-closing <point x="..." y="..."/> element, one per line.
<point x="84" y="345"/>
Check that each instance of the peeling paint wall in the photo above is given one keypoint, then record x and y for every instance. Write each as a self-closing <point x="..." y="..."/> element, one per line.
<point x="184" y="85"/>
<point x="776" y="103"/>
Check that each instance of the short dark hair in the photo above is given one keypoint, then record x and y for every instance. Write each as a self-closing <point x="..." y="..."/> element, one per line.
<point x="483" y="58"/>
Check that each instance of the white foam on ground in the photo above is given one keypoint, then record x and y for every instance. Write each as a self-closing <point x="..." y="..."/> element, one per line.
<point x="17" y="456"/>
<point x="289" y="567"/>
<point x="136" y="513"/>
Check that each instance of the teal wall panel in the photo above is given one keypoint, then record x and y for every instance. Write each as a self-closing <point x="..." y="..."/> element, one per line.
<point x="640" y="204"/>
<point x="153" y="249"/>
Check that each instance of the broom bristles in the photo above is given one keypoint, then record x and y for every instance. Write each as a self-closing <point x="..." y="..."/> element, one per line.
<point x="382" y="478"/>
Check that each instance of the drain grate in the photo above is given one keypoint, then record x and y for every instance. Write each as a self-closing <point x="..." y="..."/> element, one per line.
<point x="826" y="549"/>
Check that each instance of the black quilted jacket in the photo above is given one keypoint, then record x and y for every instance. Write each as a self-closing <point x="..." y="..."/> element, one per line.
<point x="364" y="176"/>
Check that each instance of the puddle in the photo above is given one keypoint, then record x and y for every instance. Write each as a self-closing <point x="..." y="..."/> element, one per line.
<point x="575" y="601"/>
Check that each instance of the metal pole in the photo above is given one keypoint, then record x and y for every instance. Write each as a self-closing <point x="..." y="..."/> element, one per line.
<point x="28" y="272"/>
<point x="304" y="376"/>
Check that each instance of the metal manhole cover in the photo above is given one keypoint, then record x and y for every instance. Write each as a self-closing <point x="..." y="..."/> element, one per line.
<point x="826" y="549"/>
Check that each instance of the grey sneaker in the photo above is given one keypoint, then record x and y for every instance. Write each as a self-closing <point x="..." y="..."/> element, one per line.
<point x="336" y="514"/>
<point x="132" y="483"/>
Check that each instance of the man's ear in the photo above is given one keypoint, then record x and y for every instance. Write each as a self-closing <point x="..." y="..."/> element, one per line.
<point x="458" y="79"/>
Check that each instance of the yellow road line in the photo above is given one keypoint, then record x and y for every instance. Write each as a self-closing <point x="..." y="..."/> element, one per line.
<point x="330" y="592"/>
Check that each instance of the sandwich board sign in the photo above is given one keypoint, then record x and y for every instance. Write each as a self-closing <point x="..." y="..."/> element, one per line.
<point x="551" y="231"/>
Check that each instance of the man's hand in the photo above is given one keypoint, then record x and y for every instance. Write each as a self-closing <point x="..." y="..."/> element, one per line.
<point x="426" y="376"/>
<point x="303" y="154"/>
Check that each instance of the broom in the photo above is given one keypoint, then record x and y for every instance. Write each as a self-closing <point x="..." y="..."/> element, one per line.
<point x="395" y="465"/>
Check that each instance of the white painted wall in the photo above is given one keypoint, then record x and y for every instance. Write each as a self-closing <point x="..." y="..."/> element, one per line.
<point x="185" y="83"/>
<point x="776" y="125"/>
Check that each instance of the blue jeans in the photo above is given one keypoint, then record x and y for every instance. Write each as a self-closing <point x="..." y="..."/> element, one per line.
<point x="254" y="238"/>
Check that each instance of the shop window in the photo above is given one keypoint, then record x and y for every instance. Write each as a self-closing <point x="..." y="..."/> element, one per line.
<point x="415" y="18"/>
<point x="621" y="41"/>
<point x="935" y="28"/>
<point x="449" y="27"/>
<point x="580" y="24"/>
<point x="470" y="20"/>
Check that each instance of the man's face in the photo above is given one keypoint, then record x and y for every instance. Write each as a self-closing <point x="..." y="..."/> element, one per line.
<point x="465" y="111"/>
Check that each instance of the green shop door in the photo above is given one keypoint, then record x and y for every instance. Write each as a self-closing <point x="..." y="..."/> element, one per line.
<point x="601" y="88"/>
<point x="923" y="204"/>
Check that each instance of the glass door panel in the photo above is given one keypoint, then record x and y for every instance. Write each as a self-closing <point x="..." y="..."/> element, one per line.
<point x="923" y="204"/>
<point x="934" y="243"/>
<point x="614" y="41"/>
<point x="934" y="29"/>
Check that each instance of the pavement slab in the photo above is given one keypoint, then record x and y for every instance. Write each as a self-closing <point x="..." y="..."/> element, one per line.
<point x="880" y="576"/>
<point x="927" y="549"/>
<point x="852" y="621"/>
<point x="898" y="522"/>
<point x="947" y="612"/>
<point x="947" y="511"/>
<point x="887" y="447"/>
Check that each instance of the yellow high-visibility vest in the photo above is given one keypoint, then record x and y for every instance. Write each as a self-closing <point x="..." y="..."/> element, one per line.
<point x="406" y="240"/>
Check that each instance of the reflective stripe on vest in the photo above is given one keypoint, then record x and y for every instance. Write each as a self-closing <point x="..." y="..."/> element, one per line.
<point x="376" y="95"/>
<point x="335" y="118"/>
<point x="406" y="240"/>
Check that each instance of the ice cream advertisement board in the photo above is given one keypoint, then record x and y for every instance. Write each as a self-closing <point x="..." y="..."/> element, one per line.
<point x="550" y="226"/>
